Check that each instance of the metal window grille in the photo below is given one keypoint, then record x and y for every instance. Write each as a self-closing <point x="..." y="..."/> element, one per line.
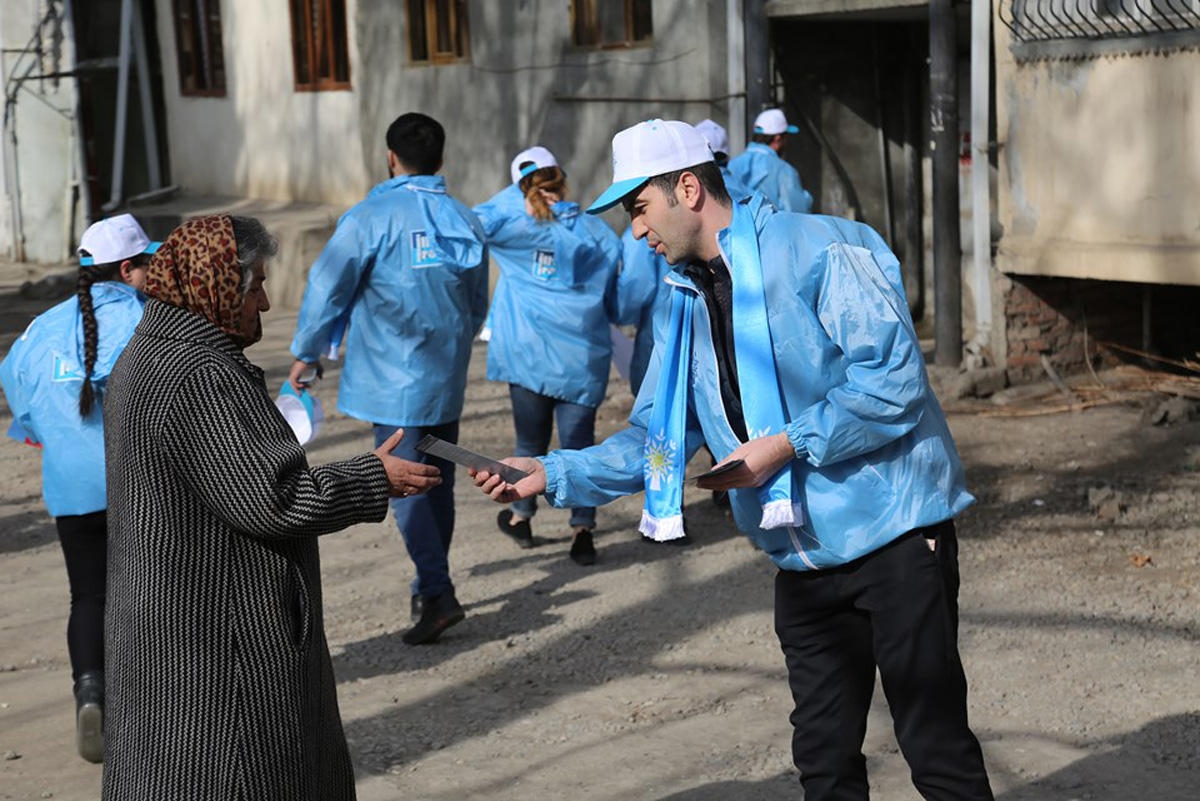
<point x="1094" y="20"/>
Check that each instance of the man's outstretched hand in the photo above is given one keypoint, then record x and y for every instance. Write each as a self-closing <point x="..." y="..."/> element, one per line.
<point x="503" y="492"/>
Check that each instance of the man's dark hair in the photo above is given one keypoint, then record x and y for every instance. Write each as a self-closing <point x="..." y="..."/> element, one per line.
<point x="418" y="140"/>
<point x="763" y="139"/>
<point x="709" y="175"/>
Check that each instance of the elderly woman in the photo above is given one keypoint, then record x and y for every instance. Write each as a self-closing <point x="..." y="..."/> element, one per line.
<point x="219" y="680"/>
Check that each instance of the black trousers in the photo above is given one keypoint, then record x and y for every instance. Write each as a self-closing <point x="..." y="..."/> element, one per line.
<point x="895" y="609"/>
<point x="84" y="541"/>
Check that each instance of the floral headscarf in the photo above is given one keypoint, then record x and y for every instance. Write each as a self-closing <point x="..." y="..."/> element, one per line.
<point x="197" y="269"/>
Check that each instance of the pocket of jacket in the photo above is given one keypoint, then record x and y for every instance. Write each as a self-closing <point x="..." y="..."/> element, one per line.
<point x="299" y="609"/>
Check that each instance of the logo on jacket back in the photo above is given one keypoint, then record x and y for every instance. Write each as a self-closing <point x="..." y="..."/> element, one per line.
<point x="423" y="253"/>
<point x="65" y="370"/>
<point x="543" y="264"/>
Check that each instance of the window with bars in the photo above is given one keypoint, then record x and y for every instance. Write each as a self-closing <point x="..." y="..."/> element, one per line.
<point x="320" y="55"/>
<point x="437" y="31"/>
<point x="610" y="23"/>
<point x="198" y="47"/>
<point x="1035" y="21"/>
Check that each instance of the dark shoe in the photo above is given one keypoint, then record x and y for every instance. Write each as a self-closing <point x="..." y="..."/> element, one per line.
<point x="89" y="716"/>
<point x="415" y="606"/>
<point x="521" y="533"/>
<point x="583" y="551"/>
<point x="437" y="615"/>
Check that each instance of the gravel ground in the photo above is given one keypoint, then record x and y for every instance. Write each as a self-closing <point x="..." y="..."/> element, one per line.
<point x="655" y="674"/>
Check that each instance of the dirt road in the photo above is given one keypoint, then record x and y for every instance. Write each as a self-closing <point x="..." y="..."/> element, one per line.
<point x="656" y="674"/>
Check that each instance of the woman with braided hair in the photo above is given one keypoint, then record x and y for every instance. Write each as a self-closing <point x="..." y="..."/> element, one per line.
<point x="54" y="378"/>
<point x="551" y="314"/>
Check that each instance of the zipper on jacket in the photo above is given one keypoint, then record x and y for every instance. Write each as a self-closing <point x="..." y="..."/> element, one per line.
<point x="800" y="548"/>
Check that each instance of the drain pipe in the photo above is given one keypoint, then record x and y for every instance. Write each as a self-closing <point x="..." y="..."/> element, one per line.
<point x="947" y="239"/>
<point x="758" y="59"/>
<point x="123" y="59"/>
<point x="981" y="212"/>
<point x="735" y="76"/>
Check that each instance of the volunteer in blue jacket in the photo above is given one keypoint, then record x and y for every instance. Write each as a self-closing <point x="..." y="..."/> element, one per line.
<point x="790" y="347"/>
<point x="508" y="202"/>
<point x="54" y="379"/>
<point x="643" y="295"/>
<point x="718" y="142"/>
<point x="761" y="168"/>
<point x="408" y="268"/>
<point x="550" y="328"/>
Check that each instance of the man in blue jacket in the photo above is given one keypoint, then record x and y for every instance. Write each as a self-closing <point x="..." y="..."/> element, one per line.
<point x="406" y="271"/>
<point x="790" y="348"/>
<point x="761" y="168"/>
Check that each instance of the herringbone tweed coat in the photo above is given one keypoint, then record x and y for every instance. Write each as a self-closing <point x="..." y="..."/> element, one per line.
<point x="218" y="677"/>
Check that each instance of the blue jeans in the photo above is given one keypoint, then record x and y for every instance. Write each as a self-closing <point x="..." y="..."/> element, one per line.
<point x="426" y="522"/>
<point x="533" y="418"/>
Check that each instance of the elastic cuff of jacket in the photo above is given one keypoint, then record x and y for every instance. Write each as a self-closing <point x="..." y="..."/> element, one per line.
<point x="550" y="463"/>
<point x="796" y="438"/>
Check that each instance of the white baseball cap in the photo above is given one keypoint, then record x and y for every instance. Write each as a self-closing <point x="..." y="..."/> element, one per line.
<point x="540" y="156"/>
<point x="715" y="135"/>
<point x="648" y="149"/>
<point x="113" y="240"/>
<point x="773" y="122"/>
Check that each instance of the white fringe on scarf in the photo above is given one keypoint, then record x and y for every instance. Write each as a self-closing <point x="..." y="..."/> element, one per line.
<point x="661" y="529"/>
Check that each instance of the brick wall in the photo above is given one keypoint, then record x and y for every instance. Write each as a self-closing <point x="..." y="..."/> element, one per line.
<point x="1049" y="316"/>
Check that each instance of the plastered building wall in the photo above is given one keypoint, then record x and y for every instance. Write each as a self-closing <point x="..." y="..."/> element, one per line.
<point x="526" y="84"/>
<point x="45" y="150"/>
<point x="1099" y="165"/>
<point x="263" y="139"/>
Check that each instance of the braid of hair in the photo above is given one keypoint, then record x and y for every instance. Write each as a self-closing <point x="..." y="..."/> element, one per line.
<point x="91" y="329"/>
<point x="91" y="338"/>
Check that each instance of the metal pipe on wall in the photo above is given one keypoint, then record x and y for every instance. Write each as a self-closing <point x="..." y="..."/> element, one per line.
<point x="947" y="241"/>
<point x="735" y="72"/>
<point x="981" y="211"/>
<point x="758" y="59"/>
<point x="124" y="53"/>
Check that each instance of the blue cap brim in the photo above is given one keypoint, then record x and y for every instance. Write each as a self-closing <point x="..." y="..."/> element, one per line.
<point x="615" y="193"/>
<point x="151" y="249"/>
<point x="793" y="129"/>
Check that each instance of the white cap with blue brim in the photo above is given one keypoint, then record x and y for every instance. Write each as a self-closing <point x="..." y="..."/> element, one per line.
<point x="772" y="122"/>
<point x="114" y="240"/>
<point x="715" y="135"/>
<point x="535" y="158"/>
<point x="650" y="148"/>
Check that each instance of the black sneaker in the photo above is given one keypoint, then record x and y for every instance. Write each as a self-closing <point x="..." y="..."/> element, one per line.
<point x="521" y="533"/>
<point x="583" y="551"/>
<point x="89" y="716"/>
<point x="416" y="605"/>
<point x="437" y="615"/>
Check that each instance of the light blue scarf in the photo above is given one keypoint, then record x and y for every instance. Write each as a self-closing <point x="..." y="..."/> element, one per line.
<point x="665" y="457"/>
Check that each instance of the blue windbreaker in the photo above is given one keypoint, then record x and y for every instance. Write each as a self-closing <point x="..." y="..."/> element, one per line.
<point x="733" y="186"/>
<point x="760" y="169"/>
<point x="409" y="267"/>
<point x="42" y="375"/>
<point x="554" y="302"/>
<point x="877" y="456"/>
<point x="644" y="300"/>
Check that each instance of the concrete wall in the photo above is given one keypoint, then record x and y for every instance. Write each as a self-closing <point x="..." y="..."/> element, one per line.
<point x="1099" y="166"/>
<point x="526" y="84"/>
<point x="45" y="150"/>
<point x="263" y="139"/>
